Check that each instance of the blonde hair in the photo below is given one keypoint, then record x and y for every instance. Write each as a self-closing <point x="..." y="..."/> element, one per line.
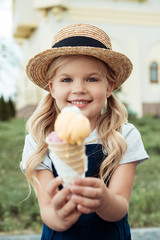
<point x="41" y="123"/>
<point x="109" y="127"/>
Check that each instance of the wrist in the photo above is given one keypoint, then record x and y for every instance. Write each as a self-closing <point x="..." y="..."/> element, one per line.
<point x="105" y="204"/>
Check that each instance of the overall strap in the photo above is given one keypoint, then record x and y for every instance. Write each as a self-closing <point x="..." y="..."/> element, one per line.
<point x="56" y="175"/>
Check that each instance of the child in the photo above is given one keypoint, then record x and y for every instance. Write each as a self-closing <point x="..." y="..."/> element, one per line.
<point x="82" y="70"/>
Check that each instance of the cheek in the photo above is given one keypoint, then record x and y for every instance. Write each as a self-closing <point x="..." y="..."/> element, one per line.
<point x="58" y="90"/>
<point x="101" y="95"/>
<point x="100" y="92"/>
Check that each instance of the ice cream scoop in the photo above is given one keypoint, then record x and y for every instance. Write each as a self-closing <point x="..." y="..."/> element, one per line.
<point x="52" y="137"/>
<point x="71" y="126"/>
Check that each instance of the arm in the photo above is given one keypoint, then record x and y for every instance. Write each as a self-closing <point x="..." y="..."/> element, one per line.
<point x="111" y="204"/>
<point x="58" y="212"/>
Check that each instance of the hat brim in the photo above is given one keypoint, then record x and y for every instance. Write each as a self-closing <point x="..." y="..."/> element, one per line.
<point x="38" y="65"/>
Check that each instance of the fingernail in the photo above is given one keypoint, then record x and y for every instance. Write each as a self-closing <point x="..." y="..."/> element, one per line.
<point x="69" y="196"/>
<point x="59" y="179"/>
<point x="74" y="197"/>
<point x="77" y="180"/>
<point x="74" y="188"/>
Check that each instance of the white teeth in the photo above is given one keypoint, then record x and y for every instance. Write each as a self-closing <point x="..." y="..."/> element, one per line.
<point x="79" y="102"/>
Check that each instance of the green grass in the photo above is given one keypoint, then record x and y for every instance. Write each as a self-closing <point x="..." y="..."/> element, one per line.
<point x="144" y="205"/>
<point x="16" y="215"/>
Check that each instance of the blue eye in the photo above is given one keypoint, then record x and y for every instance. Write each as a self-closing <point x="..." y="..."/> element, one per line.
<point x="66" y="80"/>
<point x="91" y="79"/>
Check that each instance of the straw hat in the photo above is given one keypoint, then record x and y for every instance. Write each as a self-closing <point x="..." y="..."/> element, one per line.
<point x="79" y="39"/>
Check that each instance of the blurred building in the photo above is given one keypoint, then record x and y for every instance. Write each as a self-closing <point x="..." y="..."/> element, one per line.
<point x="133" y="26"/>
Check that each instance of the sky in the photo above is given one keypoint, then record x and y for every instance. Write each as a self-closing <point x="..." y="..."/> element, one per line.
<point x="8" y="63"/>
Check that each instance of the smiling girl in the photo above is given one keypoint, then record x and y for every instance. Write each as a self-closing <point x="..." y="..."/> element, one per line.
<point x="82" y="70"/>
<point x="81" y="81"/>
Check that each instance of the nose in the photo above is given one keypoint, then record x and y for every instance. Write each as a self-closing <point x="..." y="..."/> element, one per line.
<point x="79" y="87"/>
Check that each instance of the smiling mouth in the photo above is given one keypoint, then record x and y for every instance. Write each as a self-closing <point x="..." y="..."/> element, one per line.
<point x="79" y="102"/>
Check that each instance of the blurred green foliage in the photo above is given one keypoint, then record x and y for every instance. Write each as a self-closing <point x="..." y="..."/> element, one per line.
<point x="16" y="213"/>
<point x="144" y="204"/>
<point x="7" y="109"/>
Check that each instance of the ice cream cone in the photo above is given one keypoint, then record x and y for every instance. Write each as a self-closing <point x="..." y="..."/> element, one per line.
<point x="66" y="144"/>
<point x="72" y="155"/>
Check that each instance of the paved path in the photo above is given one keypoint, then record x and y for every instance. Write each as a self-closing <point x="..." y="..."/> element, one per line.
<point x="145" y="234"/>
<point x="137" y="234"/>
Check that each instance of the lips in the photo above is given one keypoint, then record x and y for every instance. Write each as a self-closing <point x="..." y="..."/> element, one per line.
<point x="79" y="103"/>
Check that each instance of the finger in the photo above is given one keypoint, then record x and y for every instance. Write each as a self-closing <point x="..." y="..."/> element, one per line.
<point x="84" y="209"/>
<point x="52" y="187"/>
<point x="69" y="208"/>
<point x="88" y="181"/>
<point x="88" y="192"/>
<point x="86" y="202"/>
<point x="60" y="198"/>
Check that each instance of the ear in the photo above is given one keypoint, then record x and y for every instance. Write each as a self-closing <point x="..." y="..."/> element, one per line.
<point x="110" y="88"/>
<point x="51" y="88"/>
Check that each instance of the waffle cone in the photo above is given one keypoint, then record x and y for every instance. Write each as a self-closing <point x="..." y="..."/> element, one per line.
<point x="72" y="155"/>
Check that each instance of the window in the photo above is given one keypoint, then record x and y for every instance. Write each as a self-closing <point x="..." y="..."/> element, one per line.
<point x="154" y="72"/>
<point x="132" y="0"/>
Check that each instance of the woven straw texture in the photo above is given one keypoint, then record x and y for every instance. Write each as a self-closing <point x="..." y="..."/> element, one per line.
<point x="120" y="64"/>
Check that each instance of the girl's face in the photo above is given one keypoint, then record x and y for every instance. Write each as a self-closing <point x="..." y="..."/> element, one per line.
<point x="81" y="82"/>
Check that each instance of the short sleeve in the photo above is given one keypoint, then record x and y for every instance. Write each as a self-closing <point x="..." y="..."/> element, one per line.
<point x="29" y="147"/>
<point x="135" y="148"/>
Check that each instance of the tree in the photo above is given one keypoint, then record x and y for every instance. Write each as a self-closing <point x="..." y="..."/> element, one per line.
<point x="7" y="109"/>
<point x="11" y="108"/>
<point x="4" y="116"/>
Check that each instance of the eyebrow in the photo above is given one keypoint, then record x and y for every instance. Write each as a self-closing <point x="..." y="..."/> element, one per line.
<point x="94" y="74"/>
<point x="64" y="75"/>
<point x="90" y="74"/>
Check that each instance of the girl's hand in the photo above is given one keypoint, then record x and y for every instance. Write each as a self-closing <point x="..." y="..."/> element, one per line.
<point x="110" y="203"/>
<point x="64" y="208"/>
<point x="89" y="194"/>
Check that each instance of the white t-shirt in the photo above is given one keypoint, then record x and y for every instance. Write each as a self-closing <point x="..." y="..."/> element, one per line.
<point x="135" y="149"/>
